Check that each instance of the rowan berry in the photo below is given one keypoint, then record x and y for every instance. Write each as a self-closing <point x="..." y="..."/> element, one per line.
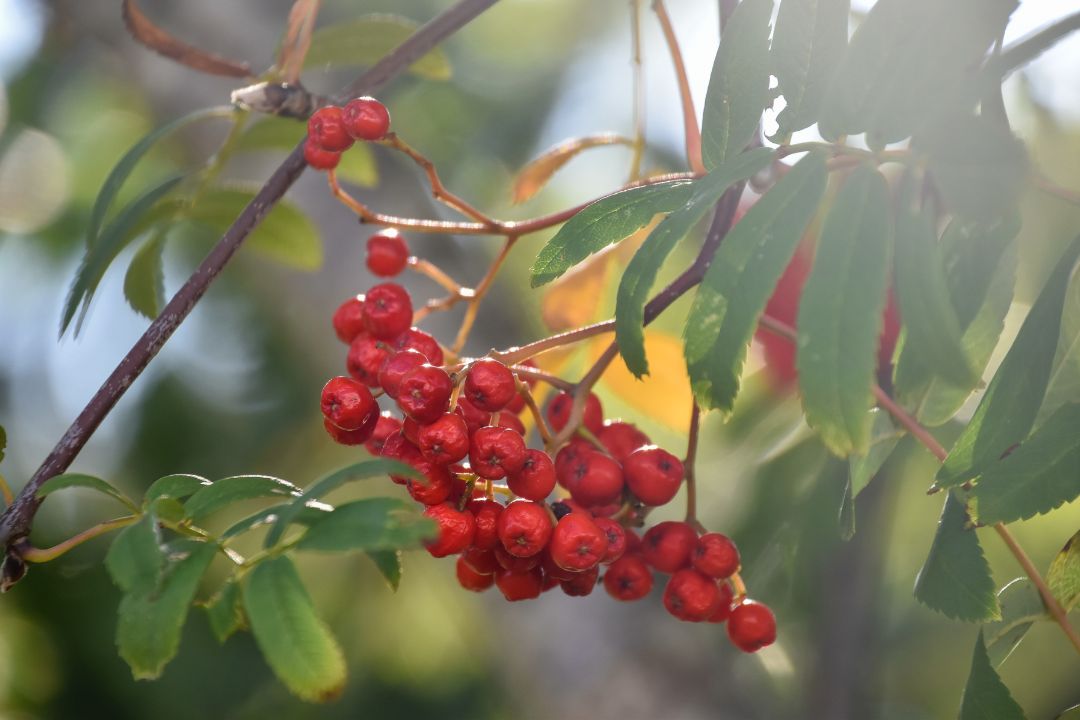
<point x="536" y="478"/>
<point x="348" y="319"/>
<point x="397" y="447"/>
<point x="577" y="544"/>
<point x="558" y="412"/>
<point x="691" y="596"/>
<point x="411" y="430"/>
<point x="524" y="528"/>
<point x="385" y="426"/>
<point x="723" y="608"/>
<point x="366" y="357"/>
<point x="510" y="421"/>
<point x="470" y="579"/>
<point x="595" y="479"/>
<point x="616" y="538"/>
<point x="514" y="563"/>
<point x="668" y="546"/>
<point x="490" y="385"/>
<point x="387" y="253"/>
<point x="366" y="118"/>
<point x="318" y="158"/>
<point x="568" y="457"/>
<point x="348" y="403"/>
<point x="582" y="583"/>
<point x="487" y="514"/>
<point x="551" y="568"/>
<point x="350" y="437"/>
<point x="474" y="417"/>
<point x="424" y="393"/>
<point x="326" y="128"/>
<point x="421" y="342"/>
<point x="396" y="367"/>
<point x="388" y="311"/>
<point x="620" y="439"/>
<point x="496" y="452"/>
<point x="446" y="440"/>
<point x="436" y="486"/>
<point x="456" y="529"/>
<point x="751" y="626"/>
<point x="482" y="561"/>
<point x="716" y="556"/>
<point x="520" y="585"/>
<point x="653" y="475"/>
<point x="628" y="578"/>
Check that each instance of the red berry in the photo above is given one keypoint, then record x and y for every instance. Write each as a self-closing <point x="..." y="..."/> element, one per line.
<point x="348" y="404"/>
<point x="387" y="253"/>
<point x="558" y="412"/>
<point x="396" y="367"/>
<point x="474" y="417"/>
<point x="326" y="128"/>
<point x="436" y="486"/>
<point x="507" y="419"/>
<point x="385" y="426"/>
<point x="716" y="556"/>
<point x="751" y="626"/>
<point x="524" y="528"/>
<point x="633" y="542"/>
<point x="691" y="596"/>
<point x="496" y="452"/>
<point x="470" y="579"/>
<point x="487" y="514"/>
<point x="348" y="320"/>
<point x="318" y="158"/>
<point x="616" y="538"/>
<point x="577" y="544"/>
<point x="350" y="437"/>
<point x="723" y="608"/>
<point x="568" y="457"/>
<point x="551" y="568"/>
<point x="489" y="385"/>
<point x="653" y="475"/>
<point x="421" y="342"/>
<point x="595" y="479"/>
<point x="620" y="439"/>
<point x="668" y="546"/>
<point x="536" y="478"/>
<point x="397" y="447"/>
<point x="514" y="563"/>
<point x="446" y="440"/>
<point x="520" y="585"/>
<point x="482" y="561"/>
<point x="366" y="357"/>
<point x="456" y="529"/>
<point x="388" y="310"/>
<point x="411" y="430"/>
<point x="582" y="584"/>
<point x="366" y="118"/>
<point x="628" y="578"/>
<point x="424" y="393"/>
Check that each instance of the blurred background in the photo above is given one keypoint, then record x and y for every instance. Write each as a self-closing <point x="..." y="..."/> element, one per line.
<point x="235" y="391"/>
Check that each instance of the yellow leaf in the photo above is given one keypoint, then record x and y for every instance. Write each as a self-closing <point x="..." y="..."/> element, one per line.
<point x="534" y="176"/>
<point x="664" y="394"/>
<point x="574" y="299"/>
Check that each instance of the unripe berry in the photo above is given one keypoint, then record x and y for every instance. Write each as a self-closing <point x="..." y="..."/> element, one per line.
<point x="387" y="253"/>
<point x="653" y="475"/>
<point x="326" y="129"/>
<point x="365" y="118"/>
<point x="536" y="478"/>
<point x="582" y="583"/>
<point x="595" y="479"/>
<point x="366" y="357"/>
<point x="424" y="393"/>
<point x="524" y="528"/>
<point x="751" y="626"/>
<point x="520" y="585"/>
<point x="470" y="579"/>
<point x="456" y="529"/>
<point x="691" y="596"/>
<point x="620" y="439"/>
<point x="487" y="514"/>
<point x="348" y="319"/>
<point x="385" y="426"/>
<point x="628" y="578"/>
<point x="489" y="385"/>
<point x="577" y="544"/>
<point x="558" y="412"/>
<point x="388" y="311"/>
<point x="668" y="546"/>
<point x="496" y="452"/>
<point x="616" y="538"/>
<point x="318" y="158"/>
<point x="396" y="367"/>
<point x="716" y="556"/>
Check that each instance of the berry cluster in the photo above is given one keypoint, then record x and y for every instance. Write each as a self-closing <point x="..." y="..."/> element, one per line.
<point x="332" y="130"/>
<point x="460" y="429"/>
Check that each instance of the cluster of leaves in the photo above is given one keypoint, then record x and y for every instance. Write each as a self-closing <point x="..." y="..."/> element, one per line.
<point x="906" y="75"/>
<point x="160" y="557"/>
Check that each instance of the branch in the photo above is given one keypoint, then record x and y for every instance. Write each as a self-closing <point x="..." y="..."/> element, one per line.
<point x="1024" y="51"/>
<point x="17" y="518"/>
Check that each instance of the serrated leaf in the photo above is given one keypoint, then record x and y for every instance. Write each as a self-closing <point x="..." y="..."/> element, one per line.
<point x="88" y="482"/>
<point x="1063" y="577"/>
<point x="1008" y="408"/>
<point x="144" y="282"/>
<point x="641" y="273"/>
<point x="151" y="618"/>
<point x="534" y="176"/>
<point x="114" y="238"/>
<point x="955" y="580"/>
<point x="225" y="611"/>
<point x="295" y="642"/>
<point x="365" y="40"/>
<point x="739" y="86"/>
<point x="985" y="696"/>
<point x="884" y="436"/>
<point x="229" y="490"/>
<point x="388" y="562"/>
<point x="741" y="278"/>
<point x="179" y="486"/>
<point x="923" y="294"/>
<point x="357" y="166"/>
<point x="310" y="513"/>
<point x="605" y="222"/>
<point x="1064" y="383"/>
<point x="840" y="313"/>
<point x="285" y="235"/>
<point x="135" y="558"/>
<point x="328" y="483"/>
<point x="808" y="44"/>
<point x="371" y="524"/>
<point x="1021" y="607"/>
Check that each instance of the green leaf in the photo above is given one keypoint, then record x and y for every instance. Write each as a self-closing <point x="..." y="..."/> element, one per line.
<point x="178" y="486"/>
<point x="840" y="313"/>
<point x="89" y="482"/>
<point x="371" y="524"/>
<point x="328" y="483"/>
<point x="1040" y="475"/>
<point x="151" y="618"/>
<point x="389" y="565"/>
<point x="1064" y="383"/>
<point x="739" y="87"/>
<point x="1072" y="713"/>
<point x="741" y="278"/>
<point x="225" y="611"/>
<point x="922" y="291"/>
<point x="144" y="282"/>
<point x="357" y="166"/>
<point x="1009" y="406"/>
<point x="310" y="513"/>
<point x="135" y="558"/>
<point x="884" y="437"/>
<point x="1021" y="607"/>
<point x="985" y="696"/>
<point x="294" y="641"/>
<point x="365" y="40"/>
<point x="229" y="490"/>
<point x="980" y="263"/>
<point x="808" y="44"/>
<point x="605" y="222"/>
<point x="114" y="238"/>
<point x="641" y="272"/>
<point x="1064" y="574"/>
<point x="285" y="235"/>
<point x="131" y="158"/>
<point x="955" y="580"/>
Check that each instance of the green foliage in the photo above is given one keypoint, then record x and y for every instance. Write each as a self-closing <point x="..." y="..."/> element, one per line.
<point x="605" y="222"/>
<point x="739" y="85"/>
<point x="1064" y="383"/>
<point x="229" y="490"/>
<point x="1063" y="577"/>
<point x="955" y="580"/>
<point x="89" y="482"/>
<point x="643" y="268"/>
<point x="985" y="696"/>
<point x="840" y="313"/>
<point x="1009" y="406"/>
<point x="740" y="279"/>
<point x="144" y="282"/>
<point x="365" y="40"/>
<point x="371" y="524"/>
<point x="884" y="436"/>
<point x="225" y="611"/>
<point x="389" y="565"/>
<point x="1021" y="607"/>
<point x="808" y="44"/>
<point x="135" y="559"/>
<point x="178" y="486"/>
<point x="295" y="642"/>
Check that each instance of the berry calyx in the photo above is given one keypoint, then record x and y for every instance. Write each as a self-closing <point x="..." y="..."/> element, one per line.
<point x="628" y="578"/>
<point x="446" y="440"/>
<point x="365" y="118"/>
<point x="326" y="129"/>
<point x="577" y="544"/>
<point x="691" y="596"/>
<point x="536" y="478"/>
<point x="424" y="393"/>
<point x="751" y="626"/>
<point x="387" y="254"/>
<point x="456" y="529"/>
<point x="668" y="546"/>
<point x="524" y="528"/>
<point x="495" y="452"/>
<point x="490" y="385"/>
<point x="653" y="475"/>
<point x="318" y="158"/>
<point x="716" y="556"/>
<point x="348" y="319"/>
<point x="388" y="311"/>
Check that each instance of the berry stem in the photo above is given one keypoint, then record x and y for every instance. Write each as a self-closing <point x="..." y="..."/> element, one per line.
<point x="690" y="123"/>
<point x="524" y="371"/>
<point x="639" y="90"/>
<point x="738" y="586"/>
<point x="433" y="272"/>
<point x="688" y="468"/>
<point x="515" y="355"/>
<point x="478" y="295"/>
<point x="534" y="410"/>
<point x="32" y="554"/>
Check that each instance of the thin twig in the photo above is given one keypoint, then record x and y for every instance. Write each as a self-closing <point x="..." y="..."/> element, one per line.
<point x="41" y="555"/>
<point x="688" y="467"/>
<point x="639" y="90"/>
<point x="479" y="293"/>
<point x="690" y="122"/>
